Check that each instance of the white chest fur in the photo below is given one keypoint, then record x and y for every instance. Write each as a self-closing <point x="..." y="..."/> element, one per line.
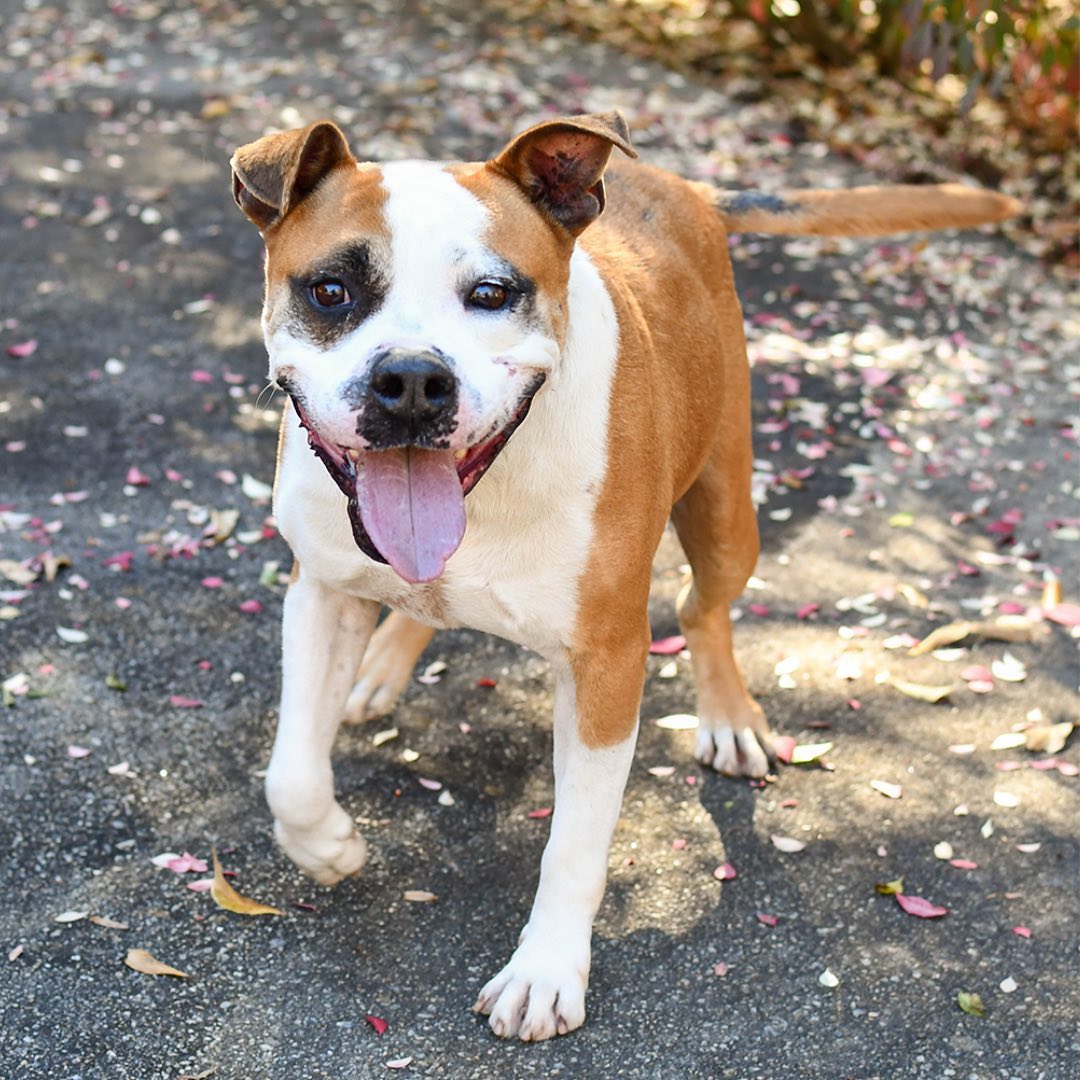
<point x="530" y="519"/>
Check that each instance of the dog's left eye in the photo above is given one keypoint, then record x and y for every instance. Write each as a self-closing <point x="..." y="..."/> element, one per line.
<point x="330" y="293"/>
<point x="489" y="295"/>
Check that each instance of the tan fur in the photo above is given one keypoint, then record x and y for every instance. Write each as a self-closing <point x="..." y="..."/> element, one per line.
<point x="867" y="211"/>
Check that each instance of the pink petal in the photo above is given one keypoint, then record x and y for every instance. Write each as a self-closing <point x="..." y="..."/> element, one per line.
<point x="202" y="885"/>
<point x="23" y="349"/>
<point x="964" y="864"/>
<point x="678" y="844"/>
<point x="725" y="872"/>
<point x="200" y="376"/>
<point x="976" y="673"/>
<point x="760" y="610"/>
<point x="668" y="646"/>
<point x="807" y="610"/>
<point x="377" y="1023"/>
<point x="1022" y="931"/>
<point x="540" y="812"/>
<point x="1064" y="614"/>
<point x="136" y="477"/>
<point x="431" y="785"/>
<point x="720" y="969"/>
<point x="250" y="607"/>
<point x="212" y="583"/>
<point x="179" y="701"/>
<point x="767" y="920"/>
<point x="783" y="748"/>
<point x="920" y="908"/>
<point x="78" y="751"/>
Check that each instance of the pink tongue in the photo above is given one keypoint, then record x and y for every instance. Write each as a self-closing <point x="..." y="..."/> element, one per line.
<point x="413" y="508"/>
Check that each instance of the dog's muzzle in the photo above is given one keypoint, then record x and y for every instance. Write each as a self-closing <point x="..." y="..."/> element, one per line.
<point x="408" y="399"/>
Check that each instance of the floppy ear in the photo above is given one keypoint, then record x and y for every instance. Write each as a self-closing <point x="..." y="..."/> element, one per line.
<point x="560" y="165"/>
<point x="273" y="174"/>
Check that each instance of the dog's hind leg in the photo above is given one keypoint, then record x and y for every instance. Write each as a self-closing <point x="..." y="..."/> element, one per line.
<point x="388" y="663"/>
<point x="717" y="526"/>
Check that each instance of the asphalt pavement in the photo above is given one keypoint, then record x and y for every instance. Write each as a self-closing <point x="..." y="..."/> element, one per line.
<point x="916" y="427"/>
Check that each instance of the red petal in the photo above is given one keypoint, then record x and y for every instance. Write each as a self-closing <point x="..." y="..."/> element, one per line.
<point x="541" y="812"/>
<point x="377" y="1023"/>
<point x="486" y="683"/>
<point x="920" y="908"/>
<point x="179" y="701"/>
<point x="767" y="920"/>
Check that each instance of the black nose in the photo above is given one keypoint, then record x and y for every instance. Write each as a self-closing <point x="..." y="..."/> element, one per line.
<point x="413" y="392"/>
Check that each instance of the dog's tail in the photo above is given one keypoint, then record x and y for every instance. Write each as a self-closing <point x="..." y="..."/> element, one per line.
<point x="861" y="211"/>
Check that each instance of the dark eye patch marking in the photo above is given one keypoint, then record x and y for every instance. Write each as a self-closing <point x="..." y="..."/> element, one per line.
<point x="356" y="267"/>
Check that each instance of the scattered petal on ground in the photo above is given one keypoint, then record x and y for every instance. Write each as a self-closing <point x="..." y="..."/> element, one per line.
<point x="919" y="907"/>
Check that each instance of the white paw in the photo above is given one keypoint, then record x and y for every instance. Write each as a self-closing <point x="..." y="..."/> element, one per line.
<point x="328" y="851"/>
<point x="540" y="993"/>
<point x="734" y="752"/>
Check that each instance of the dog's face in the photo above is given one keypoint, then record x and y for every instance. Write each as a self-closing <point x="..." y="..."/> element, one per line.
<point x="412" y="311"/>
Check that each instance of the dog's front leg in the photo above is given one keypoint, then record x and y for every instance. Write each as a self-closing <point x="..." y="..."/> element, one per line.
<point x="324" y="633"/>
<point x="541" y="991"/>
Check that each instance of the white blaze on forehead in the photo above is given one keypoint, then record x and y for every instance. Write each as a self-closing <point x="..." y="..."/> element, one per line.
<point x="435" y="227"/>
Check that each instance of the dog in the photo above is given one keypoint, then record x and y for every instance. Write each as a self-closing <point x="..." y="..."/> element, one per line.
<point x="503" y="379"/>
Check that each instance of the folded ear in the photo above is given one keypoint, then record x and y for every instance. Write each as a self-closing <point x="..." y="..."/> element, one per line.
<point x="273" y="174"/>
<point x="560" y="165"/>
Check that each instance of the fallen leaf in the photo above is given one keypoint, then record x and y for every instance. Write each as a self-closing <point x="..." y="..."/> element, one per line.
<point x="109" y="924"/>
<point x="1007" y="628"/>
<point x="1048" y="738"/>
<point x="144" y="962"/>
<point x="16" y="573"/>
<point x="919" y="691"/>
<point x="890" y="888"/>
<point x="419" y="896"/>
<point x="804" y="753"/>
<point x="919" y="907"/>
<point x="225" y="896"/>
<point x="783" y="748"/>
<point x="971" y="1004"/>
<point x="677" y="722"/>
<point x="787" y="844"/>
<point x="113" y="682"/>
<point x="890" y="791"/>
<point x="70" y="916"/>
<point x="384" y="736"/>
<point x="1009" y="741"/>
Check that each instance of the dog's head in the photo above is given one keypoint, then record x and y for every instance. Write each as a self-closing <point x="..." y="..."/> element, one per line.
<point x="413" y="309"/>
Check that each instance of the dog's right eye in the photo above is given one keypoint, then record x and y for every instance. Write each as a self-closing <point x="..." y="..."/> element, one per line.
<point x="330" y="293"/>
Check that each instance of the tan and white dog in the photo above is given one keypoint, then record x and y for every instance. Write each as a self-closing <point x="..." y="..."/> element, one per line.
<point x="498" y="397"/>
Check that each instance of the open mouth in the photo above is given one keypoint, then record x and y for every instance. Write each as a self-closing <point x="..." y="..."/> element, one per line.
<point x="406" y="504"/>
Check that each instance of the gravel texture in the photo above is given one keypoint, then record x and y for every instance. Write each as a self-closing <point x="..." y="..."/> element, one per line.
<point x="916" y="416"/>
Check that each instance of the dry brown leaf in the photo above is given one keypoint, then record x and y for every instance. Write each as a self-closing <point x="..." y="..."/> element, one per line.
<point x="222" y="524"/>
<point x="225" y="896"/>
<point x="1006" y="628"/>
<point x="1048" y="738"/>
<point x="51" y="565"/>
<point x="1051" y="594"/>
<point x="919" y="691"/>
<point x="109" y="924"/>
<point x="142" y="961"/>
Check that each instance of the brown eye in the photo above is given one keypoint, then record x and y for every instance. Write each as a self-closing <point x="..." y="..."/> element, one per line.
<point x="489" y="295"/>
<point x="330" y="293"/>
